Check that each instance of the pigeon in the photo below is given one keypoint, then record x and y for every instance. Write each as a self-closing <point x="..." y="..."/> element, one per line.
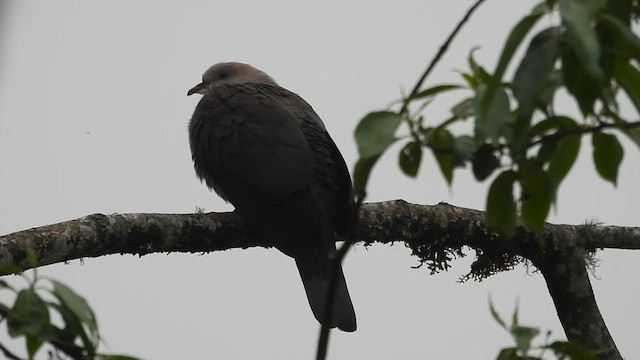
<point x="263" y="149"/>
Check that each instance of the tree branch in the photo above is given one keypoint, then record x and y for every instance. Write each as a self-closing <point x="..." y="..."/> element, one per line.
<point x="573" y="297"/>
<point x="584" y="130"/>
<point x="435" y="234"/>
<point x="424" y="229"/>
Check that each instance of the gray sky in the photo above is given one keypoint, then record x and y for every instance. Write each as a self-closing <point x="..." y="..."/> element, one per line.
<point x="93" y="116"/>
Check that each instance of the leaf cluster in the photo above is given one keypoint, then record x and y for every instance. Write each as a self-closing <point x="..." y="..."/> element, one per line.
<point x="523" y="336"/>
<point x="33" y="312"/>
<point x="517" y="140"/>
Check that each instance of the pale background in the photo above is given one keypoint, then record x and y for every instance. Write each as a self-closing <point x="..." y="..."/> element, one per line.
<point x="93" y="118"/>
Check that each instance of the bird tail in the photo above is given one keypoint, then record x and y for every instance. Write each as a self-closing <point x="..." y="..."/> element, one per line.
<point x="315" y="272"/>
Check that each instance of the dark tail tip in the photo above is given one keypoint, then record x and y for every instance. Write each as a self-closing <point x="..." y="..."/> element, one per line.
<point x="348" y="325"/>
<point x="316" y="284"/>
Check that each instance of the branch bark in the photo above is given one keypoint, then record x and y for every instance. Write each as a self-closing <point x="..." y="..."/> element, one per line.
<point x="436" y="234"/>
<point x="570" y="289"/>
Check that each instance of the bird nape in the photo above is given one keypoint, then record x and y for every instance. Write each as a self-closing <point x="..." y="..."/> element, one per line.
<point x="263" y="149"/>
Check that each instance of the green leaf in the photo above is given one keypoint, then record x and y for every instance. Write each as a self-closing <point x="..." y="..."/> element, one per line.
<point x="563" y="158"/>
<point x="543" y="7"/>
<point x="490" y="124"/>
<point x="464" y="148"/>
<point x="537" y="193"/>
<point x="592" y="6"/>
<point x="548" y="91"/>
<point x="7" y="269"/>
<point x="534" y="69"/>
<point x="470" y="79"/>
<point x="580" y="34"/>
<point x="547" y="151"/>
<point x="511" y="45"/>
<point x="29" y="315"/>
<point x="581" y="56"/>
<point x="484" y="162"/>
<point x="116" y="357"/>
<point x="376" y="132"/>
<point x="33" y="345"/>
<point x="607" y="156"/>
<point x="361" y="174"/>
<point x="574" y="351"/>
<point x="514" y="316"/>
<point x="508" y="354"/>
<point x="523" y="336"/>
<point x="496" y="316"/>
<point x="552" y="123"/>
<point x="622" y="10"/>
<point x="410" y="157"/>
<point x="583" y="88"/>
<point x="72" y="330"/>
<point x="32" y="257"/>
<point x="543" y="127"/>
<point x="625" y="42"/>
<point x="441" y="143"/>
<point x="443" y="125"/>
<point x="77" y="314"/>
<point x="54" y="337"/>
<point x="501" y="206"/>
<point x="615" y="36"/>
<point x="628" y="77"/>
<point x="632" y="132"/>
<point x="479" y="73"/>
<point x="463" y="109"/>
<point x="75" y="303"/>
<point x="435" y="90"/>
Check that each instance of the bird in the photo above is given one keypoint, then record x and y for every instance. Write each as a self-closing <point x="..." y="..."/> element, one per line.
<point x="264" y="149"/>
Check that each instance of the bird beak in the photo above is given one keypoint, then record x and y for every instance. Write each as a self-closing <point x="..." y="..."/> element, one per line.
<point x="200" y="89"/>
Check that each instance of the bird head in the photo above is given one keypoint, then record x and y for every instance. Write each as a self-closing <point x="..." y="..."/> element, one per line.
<point x="230" y="73"/>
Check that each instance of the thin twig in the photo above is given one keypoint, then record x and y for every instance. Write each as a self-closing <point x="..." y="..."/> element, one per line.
<point x="584" y="130"/>
<point x="443" y="49"/>
<point x="580" y="130"/>
<point x="352" y="226"/>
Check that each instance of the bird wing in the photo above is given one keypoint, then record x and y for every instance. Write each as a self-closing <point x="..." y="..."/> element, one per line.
<point x="253" y="140"/>
<point x="332" y="175"/>
<point x="248" y="146"/>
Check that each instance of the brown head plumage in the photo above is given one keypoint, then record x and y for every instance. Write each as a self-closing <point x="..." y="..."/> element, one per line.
<point x="230" y="73"/>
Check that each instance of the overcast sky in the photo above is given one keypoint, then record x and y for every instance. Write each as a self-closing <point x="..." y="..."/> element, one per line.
<point x="93" y="118"/>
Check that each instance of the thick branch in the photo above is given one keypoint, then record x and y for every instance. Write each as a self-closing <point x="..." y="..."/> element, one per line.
<point x="421" y="227"/>
<point x="96" y="235"/>
<point x="436" y="234"/>
<point x="570" y="289"/>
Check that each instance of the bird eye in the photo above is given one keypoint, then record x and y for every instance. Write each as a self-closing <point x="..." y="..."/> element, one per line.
<point x="223" y="75"/>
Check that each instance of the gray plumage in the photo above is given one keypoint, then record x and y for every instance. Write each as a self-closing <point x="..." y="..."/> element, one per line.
<point x="263" y="149"/>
